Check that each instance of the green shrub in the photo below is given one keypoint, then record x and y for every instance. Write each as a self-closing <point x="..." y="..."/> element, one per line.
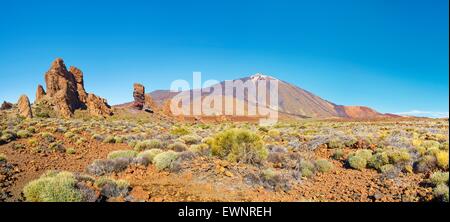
<point x="335" y="143"/>
<point x="23" y="134"/>
<point x="357" y="162"/>
<point x="388" y="168"/>
<point x="378" y="160"/>
<point x="48" y="137"/>
<point x="56" y="146"/>
<point x="439" y="178"/>
<point x="118" y="139"/>
<point x="178" y="147"/>
<point x="268" y="174"/>
<point x="398" y="156"/>
<point x="191" y="139"/>
<point x="2" y="157"/>
<point x="122" y="154"/>
<point x="200" y="148"/>
<point x="323" y="165"/>
<point x="306" y="172"/>
<point x="7" y="137"/>
<point x="102" y="181"/>
<point x="148" y="144"/>
<point x="109" y="139"/>
<point x="239" y="145"/>
<point x="70" y="150"/>
<point x="338" y="154"/>
<point x="180" y="131"/>
<point x="440" y="192"/>
<point x="149" y="154"/>
<point x="69" y="135"/>
<point x="274" y="133"/>
<point x="306" y="168"/>
<point x="442" y="159"/>
<point x="53" y="187"/>
<point x="165" y="160"/>
<point x="364" y="153"/>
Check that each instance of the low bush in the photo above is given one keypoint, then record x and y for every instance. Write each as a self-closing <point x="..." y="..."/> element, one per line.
<point x="165" y="160"/>
<point x="2" y="157"/>
<point x="323" y="165"/>
<point x="442" y="159"/>
<point x="23" y="134"/>
<point x="70" y="150"/>
<point x="200" y="148"/>
<point x="357" y="162"/>
<point x="306" y="168"/>
<point x="53" y="187"/>
<point x="239" y="145"/>
<point x="338" y="154"/>
<point x="102" y="167"/>
<point x="274" y="133"/>
<point x="148" y="144"/>
<point x="149" y="154"/>
<point x="426" y="163"/>
<point x="178" y="147"/>
<point x="48" y="137"/>
<point x="378" y="160"/>
<point x="180" y="131"/>
<point x="109" y="139"/>
<point x="191" y="139"/>
<point x="122" y="154"/>
<point x="439" y="178"/>
<point x="440" y="193"/>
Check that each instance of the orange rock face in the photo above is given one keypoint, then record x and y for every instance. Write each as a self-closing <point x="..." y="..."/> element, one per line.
<point x="65" y="91"/>
<point x="97" y="106"/>
<point x="40" y="93"/>
<point x="24" y="107"/>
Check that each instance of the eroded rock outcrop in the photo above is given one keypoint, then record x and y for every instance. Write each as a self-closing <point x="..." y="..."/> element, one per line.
<point x="40" y="93"/>
<point x="138" y="95"/>
<point x="24" y="107"/>
<point x="6" y="105"/>
<point x="66" y="93"/>
<point x="97" y="106"/>
<point x="142" y="101"/>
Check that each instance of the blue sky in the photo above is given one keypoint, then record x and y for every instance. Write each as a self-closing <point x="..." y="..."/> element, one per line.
<point x="391" y="55"/>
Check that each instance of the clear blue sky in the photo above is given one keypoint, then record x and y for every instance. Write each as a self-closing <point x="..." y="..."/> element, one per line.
<point x="391" y="55"/>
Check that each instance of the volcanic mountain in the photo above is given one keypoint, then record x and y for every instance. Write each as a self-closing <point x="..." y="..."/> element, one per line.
<point x="292" y="101"/>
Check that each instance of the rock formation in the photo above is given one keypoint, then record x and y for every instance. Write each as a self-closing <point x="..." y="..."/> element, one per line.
<point x="142" y="101"/>
<point x="6" y="105"/>
<point x="40" y="93"/>
<point x="24" y="107"/>
<point x="97" y="106"/>
<point x="139" y="96"/>
<point x="66" y="93"/>
<point x="78" y="74"/>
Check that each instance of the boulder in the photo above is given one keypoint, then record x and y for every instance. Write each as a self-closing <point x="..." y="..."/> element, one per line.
<point x="24" y="107"/>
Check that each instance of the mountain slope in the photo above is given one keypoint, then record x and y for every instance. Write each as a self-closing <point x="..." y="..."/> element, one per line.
<point x="292" y="101"/>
